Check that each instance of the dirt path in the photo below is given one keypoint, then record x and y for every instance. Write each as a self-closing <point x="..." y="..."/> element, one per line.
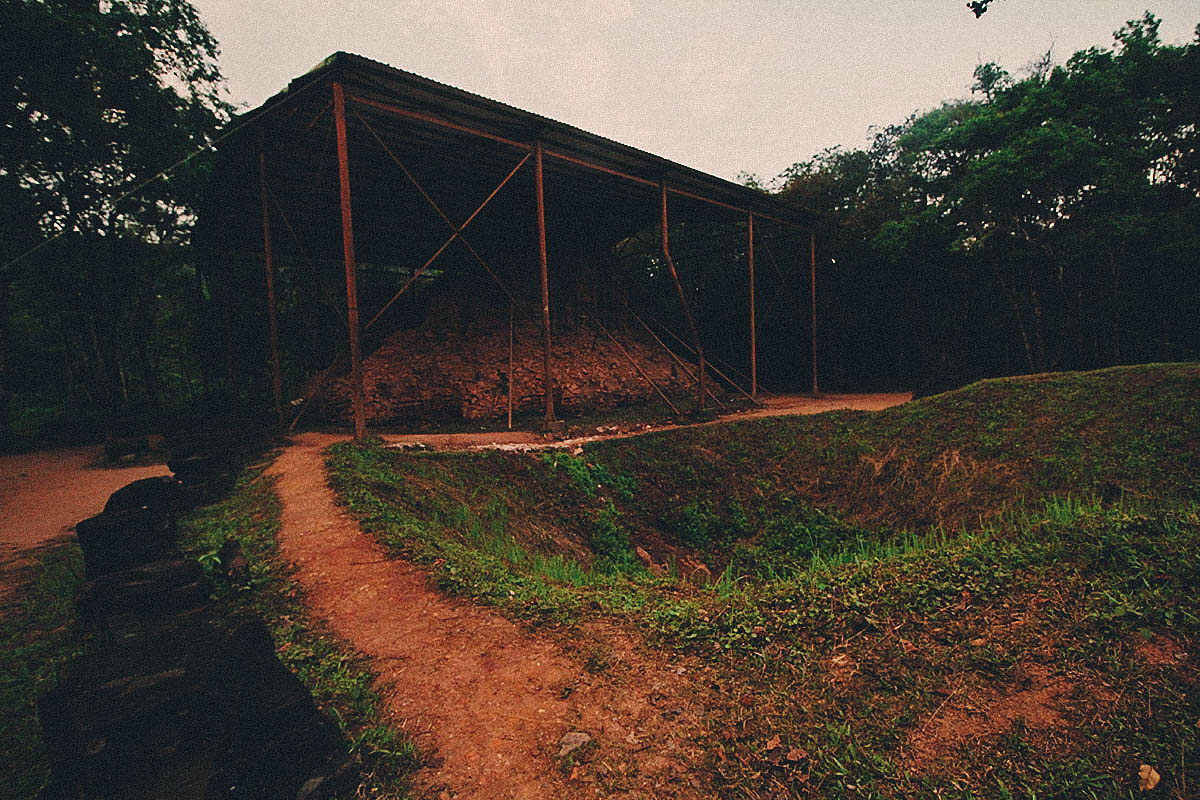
<point x="492" y="701"/>
<point x="778" y="406"/>
<point x="489" y="700"/>
<point x="775" y="406"/>
<point x="785" y="404"/>
<point x="43" y="494"/>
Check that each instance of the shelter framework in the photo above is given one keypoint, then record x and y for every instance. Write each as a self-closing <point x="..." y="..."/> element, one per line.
<point x="378" y="163"/>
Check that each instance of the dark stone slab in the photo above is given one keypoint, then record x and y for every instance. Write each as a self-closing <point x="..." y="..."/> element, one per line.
<point x="122" y="540"/>
<point x="160" y="494"/>
<point x="154" y="589"/>
<point x="188" y="705"/>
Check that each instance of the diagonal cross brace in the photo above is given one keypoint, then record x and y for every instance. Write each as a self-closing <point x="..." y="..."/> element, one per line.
<point x="456" y="230"/>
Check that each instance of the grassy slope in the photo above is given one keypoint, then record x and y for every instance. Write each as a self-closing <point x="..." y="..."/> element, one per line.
<point x="945" y="460"/>
<point x="1029" y="546"/>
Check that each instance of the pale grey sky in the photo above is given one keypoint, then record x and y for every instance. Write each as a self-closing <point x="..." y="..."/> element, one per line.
<point x="720" y="85"/>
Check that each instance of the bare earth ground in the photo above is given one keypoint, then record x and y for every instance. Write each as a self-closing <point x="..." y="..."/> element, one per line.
<point x="43" y="494"/>
<point x="488" y="700"/>
<point x="783" y="404"/>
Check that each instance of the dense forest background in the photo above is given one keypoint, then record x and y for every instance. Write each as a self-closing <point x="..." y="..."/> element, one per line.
<point x="102" y="311"/>
<point x="1049" y="221"/>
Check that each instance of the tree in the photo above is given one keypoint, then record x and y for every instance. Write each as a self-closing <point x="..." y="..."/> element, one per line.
<point x="979" y="7"/>
<point x="990" y="79"/>
<point x="96" y="99"/>
<point x="1051" y="225"/>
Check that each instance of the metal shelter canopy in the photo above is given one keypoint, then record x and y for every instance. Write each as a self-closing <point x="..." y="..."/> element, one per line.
<point x="359" y="143"/>
<point x="442" y="107"/>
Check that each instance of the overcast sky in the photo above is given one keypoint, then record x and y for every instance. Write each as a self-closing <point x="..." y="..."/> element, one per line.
<point x="721" y="85"/>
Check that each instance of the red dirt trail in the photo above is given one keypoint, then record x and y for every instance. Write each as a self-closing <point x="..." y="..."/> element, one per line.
<point x="774" y="406"/>
<point x="43" y="494"/>
<point x="489" y="700"/>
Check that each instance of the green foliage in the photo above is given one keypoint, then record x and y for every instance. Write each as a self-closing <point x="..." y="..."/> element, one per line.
<point x="38" y="635"/>
<point x="99" y="311"/>
<point x="991" y="78"/>
<point x="610" y="541"/>
<point x="591" y="478"/>
<point x="469" y="515"/>
<point x="418" y="507"/>
<point x="1048" y="225"/>
<point x="700" y="526"/>
<point x="798" y="538"/>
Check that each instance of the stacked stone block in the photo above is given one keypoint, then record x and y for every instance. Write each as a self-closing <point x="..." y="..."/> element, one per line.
<point x="178" y="696"/>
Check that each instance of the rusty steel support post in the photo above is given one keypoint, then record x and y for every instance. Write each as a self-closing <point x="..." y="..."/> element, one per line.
<point x="511" y="310"/>
<point x="753" y="323"/>
<point x="547" y="378"/>
<point x="666" y="248"/>
<point x="812" y="264"/>
<point x="276" y="382"/>
<point x="356" y="371"/>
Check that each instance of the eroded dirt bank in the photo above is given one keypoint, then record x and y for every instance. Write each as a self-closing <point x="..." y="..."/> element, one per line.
<point x="489" y="701"/>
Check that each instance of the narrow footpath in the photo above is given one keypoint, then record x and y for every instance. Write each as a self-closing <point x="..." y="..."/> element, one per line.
<point x="489" y="701"/>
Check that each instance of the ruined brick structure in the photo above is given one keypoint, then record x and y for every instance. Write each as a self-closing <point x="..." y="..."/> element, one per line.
<point x="456" y="365"/>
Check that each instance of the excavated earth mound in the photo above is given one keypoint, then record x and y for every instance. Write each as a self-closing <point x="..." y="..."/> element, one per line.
<point x="456" y="365"/>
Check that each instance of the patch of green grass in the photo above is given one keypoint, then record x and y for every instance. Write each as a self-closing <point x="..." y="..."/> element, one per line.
<point x="338" y="677"/>
<point x="38" y="635"/>
<point x="492" y="525"/>
<point x="697" y="525"/>
<point x="591" y="478"/>
<point x="610" y="542"/>
<point x="872" y="570"/>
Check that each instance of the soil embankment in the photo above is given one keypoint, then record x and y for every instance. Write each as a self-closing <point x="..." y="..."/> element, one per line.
<point x="490" y="702"/>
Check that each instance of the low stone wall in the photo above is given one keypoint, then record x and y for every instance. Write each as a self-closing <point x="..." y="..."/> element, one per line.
<point x="177" y="697"/>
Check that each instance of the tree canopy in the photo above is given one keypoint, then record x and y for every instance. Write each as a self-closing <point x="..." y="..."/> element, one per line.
<point x="97" y="99"/>
<point x="1052" y="222"/>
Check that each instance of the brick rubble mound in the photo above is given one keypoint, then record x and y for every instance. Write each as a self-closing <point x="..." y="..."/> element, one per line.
<point x="455" y="365"/>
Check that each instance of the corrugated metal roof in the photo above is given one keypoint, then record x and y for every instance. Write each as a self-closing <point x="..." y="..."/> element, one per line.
<point x="459" y="146"/>
<point x="381" y="83"/>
